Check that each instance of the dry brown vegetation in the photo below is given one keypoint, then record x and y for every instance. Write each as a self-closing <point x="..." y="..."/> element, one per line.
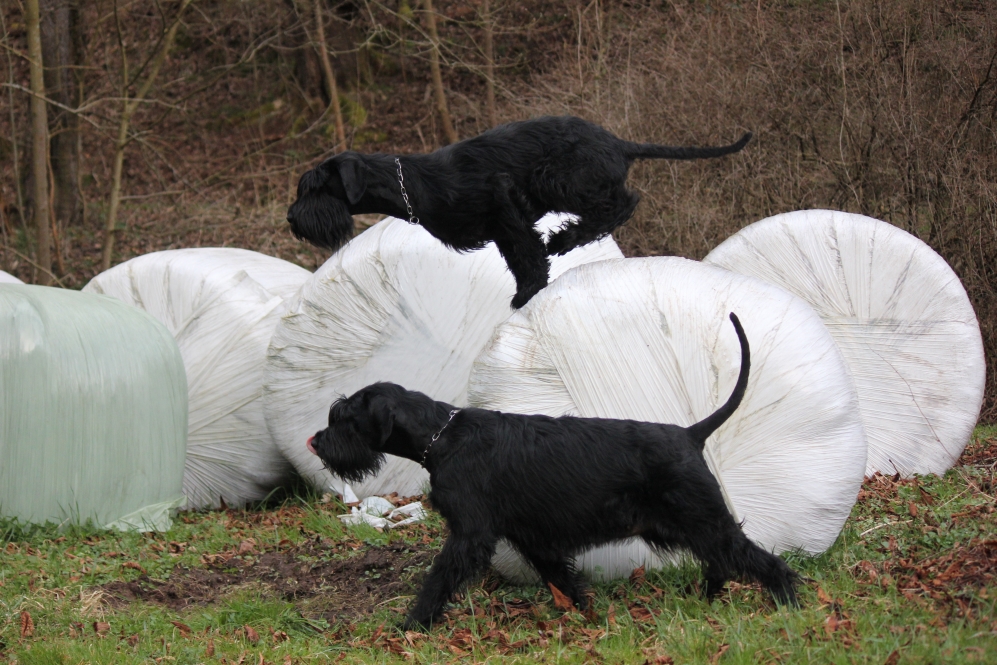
<point x="883" y="107"/>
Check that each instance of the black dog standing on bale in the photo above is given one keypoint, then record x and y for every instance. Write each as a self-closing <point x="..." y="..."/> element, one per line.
<point x="493" y="187"/>
<point x="593" y="480"/>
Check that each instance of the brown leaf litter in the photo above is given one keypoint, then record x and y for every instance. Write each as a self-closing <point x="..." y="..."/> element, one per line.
<point x="947" y="578"/>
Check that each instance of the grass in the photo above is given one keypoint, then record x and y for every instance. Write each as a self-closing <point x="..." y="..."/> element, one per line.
<point x="911" y="579"/>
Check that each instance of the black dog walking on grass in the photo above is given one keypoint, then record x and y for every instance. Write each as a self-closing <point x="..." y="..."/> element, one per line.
<point x="597" y="481"/>
<point x="493" y="187"/>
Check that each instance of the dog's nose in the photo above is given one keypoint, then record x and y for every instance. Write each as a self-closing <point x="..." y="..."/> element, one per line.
<point x="310" y="446"/>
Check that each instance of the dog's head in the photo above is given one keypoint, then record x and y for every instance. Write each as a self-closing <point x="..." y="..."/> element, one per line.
<point x="322" y="213"/>
<point x="382" y="418"/>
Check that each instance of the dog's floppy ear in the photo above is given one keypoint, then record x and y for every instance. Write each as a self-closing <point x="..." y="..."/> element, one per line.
<point x="381" y="415"/>
<point x="353" y="172"/>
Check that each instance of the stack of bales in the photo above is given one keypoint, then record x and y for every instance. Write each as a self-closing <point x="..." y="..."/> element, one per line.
<point x="866" y="356"/>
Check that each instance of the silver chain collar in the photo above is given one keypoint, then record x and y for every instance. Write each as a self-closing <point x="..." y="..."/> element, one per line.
<point x="408" y="206"/>
<point x="425" y="453"/>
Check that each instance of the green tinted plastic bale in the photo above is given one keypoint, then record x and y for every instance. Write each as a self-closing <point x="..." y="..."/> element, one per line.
<point x="93" y="411"/>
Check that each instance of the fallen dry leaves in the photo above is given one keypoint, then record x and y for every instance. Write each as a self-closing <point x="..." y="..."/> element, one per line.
<point x="184" y="629"/>
<point x="561" y="601"/>
<point x="945" y="578"/>
<point x="250" y="633"/>
<point x="639" y="613"/>
<point x="464" y="642"/>
<point x="837" y="620"/>
<point x="27" y="625"/>
<point x="721" y="650"/>
<point x="887" y="488"/>
<point x="980" y="453"/>
<point x="970" y="566"/>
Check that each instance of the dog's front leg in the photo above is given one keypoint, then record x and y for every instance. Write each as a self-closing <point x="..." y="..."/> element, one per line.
<point x="461" y="559"/>
<point x="520" y="244"/>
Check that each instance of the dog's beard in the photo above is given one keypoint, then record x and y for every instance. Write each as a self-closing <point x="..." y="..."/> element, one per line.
<point x="321" y="219"/>
<point x="345" y="455"/>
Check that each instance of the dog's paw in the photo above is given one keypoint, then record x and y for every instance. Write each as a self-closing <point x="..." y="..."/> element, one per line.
<point x="712" y="588"/>
<point x="418" y="624"/>
<point x="562" y="242"/>
<point x="786" y="595"/>
<point x="521" y="299"/>
<point x="557" y="246"/>
<point x="526" y="294"/>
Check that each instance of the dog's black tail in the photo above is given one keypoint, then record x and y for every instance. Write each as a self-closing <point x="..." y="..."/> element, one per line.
<point x="655" y="151"/>
<point x="704" y="428"/>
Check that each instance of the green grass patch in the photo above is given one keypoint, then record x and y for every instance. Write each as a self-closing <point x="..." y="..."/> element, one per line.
<point x="909" y="580"/>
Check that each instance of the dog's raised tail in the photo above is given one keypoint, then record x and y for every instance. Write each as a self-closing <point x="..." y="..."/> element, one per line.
<point x="655" y="151"/>
<point x="704" y="428"/>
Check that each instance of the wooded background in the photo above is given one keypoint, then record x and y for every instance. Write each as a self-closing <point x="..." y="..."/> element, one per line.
<point x="187" y="122"/>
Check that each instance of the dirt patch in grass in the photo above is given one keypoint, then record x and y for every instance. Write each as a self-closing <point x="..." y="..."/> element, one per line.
<point x="333" y="588"/>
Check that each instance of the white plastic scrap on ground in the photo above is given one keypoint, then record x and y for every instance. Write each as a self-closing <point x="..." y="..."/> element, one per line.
<point x="382" y="514"/>
<point x="397" y="305"/>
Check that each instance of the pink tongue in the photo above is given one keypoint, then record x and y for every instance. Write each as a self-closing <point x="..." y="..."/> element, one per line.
<point x="310" y="446"/>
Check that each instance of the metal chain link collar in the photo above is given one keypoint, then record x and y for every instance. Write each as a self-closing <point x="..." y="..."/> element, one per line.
<point x="425" y="453"/>
<point x="408" y="206"/>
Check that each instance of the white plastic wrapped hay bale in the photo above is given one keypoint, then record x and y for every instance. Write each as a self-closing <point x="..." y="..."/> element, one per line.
<point x="93" y="411"/>
<point x="7" y="278"/>
<point x="221" y="305"/>
<point x="396" y="305"/>
<point x="650" y="340"/>
<point x="900" y="316"/>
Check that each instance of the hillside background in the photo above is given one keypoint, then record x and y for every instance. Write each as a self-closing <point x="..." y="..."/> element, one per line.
<point x="881" y="107"/>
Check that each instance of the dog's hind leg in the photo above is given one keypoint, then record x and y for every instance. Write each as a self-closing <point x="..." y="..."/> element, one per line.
<point x="750" y="561"/>
<point x="461" y="559"/>
<point x="520" y="244"/>
<point x="596" y="219"/>
<point x="727" y="553"/>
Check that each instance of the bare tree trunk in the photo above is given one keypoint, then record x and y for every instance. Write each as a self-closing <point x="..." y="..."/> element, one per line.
<point x="128" y="107"/>
<point x="59" y="20"/>
<point x="330" y="78"/>
<point x="404" y="17"/>
<point x="489" y="65"/>
<point x="39" y="145"/>
<point x="434" y="68"/>
<point x="16" y="157"/>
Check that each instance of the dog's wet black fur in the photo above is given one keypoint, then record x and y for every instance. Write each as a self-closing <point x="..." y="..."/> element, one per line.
<point x="552" y="486"/>
<point x="493" y="187"/>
